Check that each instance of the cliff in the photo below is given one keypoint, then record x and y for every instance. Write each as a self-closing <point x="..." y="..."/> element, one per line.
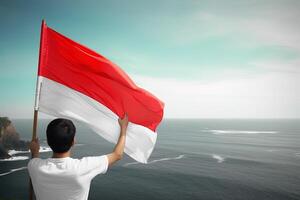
<point x="10" y="138"/>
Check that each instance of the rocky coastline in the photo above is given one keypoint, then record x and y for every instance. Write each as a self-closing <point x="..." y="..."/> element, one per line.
<point x="10" y="138"/>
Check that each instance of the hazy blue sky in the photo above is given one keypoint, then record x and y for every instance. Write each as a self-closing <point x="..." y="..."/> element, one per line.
<point x="206" y="59"/>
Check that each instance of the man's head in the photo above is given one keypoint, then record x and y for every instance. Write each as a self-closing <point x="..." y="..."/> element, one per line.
<point x="60" y="135"/>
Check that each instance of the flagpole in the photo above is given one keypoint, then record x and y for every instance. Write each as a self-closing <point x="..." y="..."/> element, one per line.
<point x="34" y="135"/>
<point x="36" y="106"/>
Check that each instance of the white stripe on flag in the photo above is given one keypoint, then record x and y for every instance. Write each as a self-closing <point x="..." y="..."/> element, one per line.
<point x="61" y="101"/>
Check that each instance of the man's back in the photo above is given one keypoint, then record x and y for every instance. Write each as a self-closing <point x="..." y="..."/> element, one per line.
<point x="65" y="178"/>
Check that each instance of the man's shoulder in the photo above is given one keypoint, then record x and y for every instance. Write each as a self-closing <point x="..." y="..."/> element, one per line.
<point x="43" y="161"/>
<point x="34" y="162"/>
<point x="83" y="160"/>
<point x="92" y="158"/>
<point x="94" y="164"/>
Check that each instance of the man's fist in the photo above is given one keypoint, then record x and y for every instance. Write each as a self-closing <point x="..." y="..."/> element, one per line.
<point x="34" y="147"/>
<point x="123" y="122"/>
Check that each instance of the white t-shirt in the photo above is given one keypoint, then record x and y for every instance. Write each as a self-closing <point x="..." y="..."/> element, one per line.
<point x="65" y="178"/>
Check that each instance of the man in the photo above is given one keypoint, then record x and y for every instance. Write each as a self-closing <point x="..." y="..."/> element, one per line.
<point x="62" y="177"/>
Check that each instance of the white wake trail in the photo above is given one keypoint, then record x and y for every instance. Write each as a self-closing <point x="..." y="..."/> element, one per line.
<point x="13" y="170"/>
<point x="232" y="132"/>
<point x="154" y="161"/>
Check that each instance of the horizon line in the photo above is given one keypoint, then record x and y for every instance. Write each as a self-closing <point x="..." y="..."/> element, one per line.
<point x="193" y="118"/>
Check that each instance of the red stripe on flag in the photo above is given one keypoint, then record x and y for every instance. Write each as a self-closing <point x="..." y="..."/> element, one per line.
<point x="89" y="73"/>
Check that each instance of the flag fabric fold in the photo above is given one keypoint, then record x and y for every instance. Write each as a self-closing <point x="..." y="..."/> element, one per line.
<point x="78" y="83"/>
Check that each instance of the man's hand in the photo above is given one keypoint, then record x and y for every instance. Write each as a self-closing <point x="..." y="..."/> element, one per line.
<point x="117" y="154"/>
<point x="34" y="147"/>
<point x="123" y="123"/>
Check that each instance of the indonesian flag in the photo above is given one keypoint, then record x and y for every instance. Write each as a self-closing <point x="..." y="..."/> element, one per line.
<point x="77" y="83"/>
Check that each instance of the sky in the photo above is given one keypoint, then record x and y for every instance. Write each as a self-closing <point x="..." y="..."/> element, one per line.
<point x="203" y="59"/>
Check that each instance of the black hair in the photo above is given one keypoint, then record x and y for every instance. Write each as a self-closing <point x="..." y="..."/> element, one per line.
<point x="60" y="135"/>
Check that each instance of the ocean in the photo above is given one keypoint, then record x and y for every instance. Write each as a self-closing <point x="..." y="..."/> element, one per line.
<point x="247" y="159"/>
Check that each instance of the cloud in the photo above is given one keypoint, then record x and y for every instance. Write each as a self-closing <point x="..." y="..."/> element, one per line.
<point x="292" y="66"/>
<point x="270" y="95"/>
<point x="249" y="22"/>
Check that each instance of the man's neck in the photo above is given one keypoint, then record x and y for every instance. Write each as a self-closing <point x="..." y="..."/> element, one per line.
<point x="61" y="155"/>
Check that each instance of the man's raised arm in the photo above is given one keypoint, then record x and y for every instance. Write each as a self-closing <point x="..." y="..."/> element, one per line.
<point x="118" y="151"/>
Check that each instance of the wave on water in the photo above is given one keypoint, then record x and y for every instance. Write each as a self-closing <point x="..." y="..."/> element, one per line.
<point x="14" y="152"/>
<point x="15" y="158"/>
<point x="13" y="170"/>
<point x="219" y="158"/>
<point x="79" y="144"/>
<point x="157" y="160"/>
<point x="45" y="149"/>
<point x="228" y="132"/>
<point x="297" y="154"/>
<point x="271" y="150"/>
<point x="42" y="150"/>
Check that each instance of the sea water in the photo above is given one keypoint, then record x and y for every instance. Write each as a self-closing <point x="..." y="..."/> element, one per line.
<point x="193" y="159"/>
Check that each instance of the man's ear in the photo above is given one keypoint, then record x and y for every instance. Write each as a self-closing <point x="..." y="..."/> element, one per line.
<point x="74" y="142"/>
